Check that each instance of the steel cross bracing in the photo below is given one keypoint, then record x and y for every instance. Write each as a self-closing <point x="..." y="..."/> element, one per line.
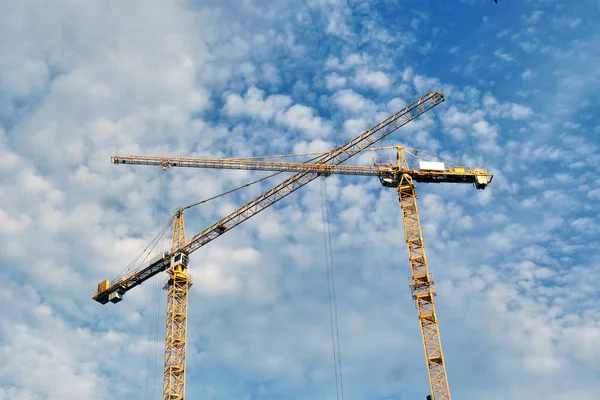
<point x="241" y="164"/>
<point x="176" y="260"/>
<point x="128" y="281"/>
<point x="448" y="175"/>
<point x="293" y="183"/>
<point x="177" y="285"/>
<point x="399" y="176"/>
<point x="422" y="287"/>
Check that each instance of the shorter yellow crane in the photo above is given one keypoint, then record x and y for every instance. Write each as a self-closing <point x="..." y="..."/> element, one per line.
<point x="401" y="176"/>
<point x="176" y="261"/>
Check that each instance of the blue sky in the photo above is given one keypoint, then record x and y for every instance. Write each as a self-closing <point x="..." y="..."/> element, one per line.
<point x="516" y="266"/>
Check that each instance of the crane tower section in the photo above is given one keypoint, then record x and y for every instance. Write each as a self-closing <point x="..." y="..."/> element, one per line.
<point x="175" y="261"/>
<point x="423" y="290"/>
<point x="108" y="290"/>
<point x="177" y="285"/>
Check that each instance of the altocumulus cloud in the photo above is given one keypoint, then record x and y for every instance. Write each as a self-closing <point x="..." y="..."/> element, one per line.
<point x="516" y="265"/>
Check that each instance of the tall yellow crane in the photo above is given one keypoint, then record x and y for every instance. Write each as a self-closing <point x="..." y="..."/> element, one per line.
<point x="176" y="261"/>
<point x="400" y="176"/>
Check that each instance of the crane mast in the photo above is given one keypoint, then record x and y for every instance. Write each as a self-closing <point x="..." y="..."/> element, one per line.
<point x="114" y="290"/>
<point x="176" y="260"/>
<point x="295" y="182"/>
<point x="400" y="176"/>
<point x="421" y="285"/>
<point x="177" y="286"/>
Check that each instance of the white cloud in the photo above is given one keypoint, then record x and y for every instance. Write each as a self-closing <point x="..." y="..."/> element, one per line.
<point x="425" y="84"/>
<point x="503" y="55"/>
<point x="511" y="110"/>
<point x="334" y="81"/>
<point x="82" y="83"/>
<point x="302" y="118"/>
<point x="254" y="104"/>
<point x="584" y="225"/>
<point x="350" y="61"/>
<point x="270" y="74"/>
<point x="350" y="101"/>
<point x="373" y="79"/>
<point x="534" y="17"/>
<point x="519" y="112"/>
<point x="276" y="107"/>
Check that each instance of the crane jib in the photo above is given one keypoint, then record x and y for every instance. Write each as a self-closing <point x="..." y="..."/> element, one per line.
<point x="336" y="156"/>
<point x="119" y="286"/>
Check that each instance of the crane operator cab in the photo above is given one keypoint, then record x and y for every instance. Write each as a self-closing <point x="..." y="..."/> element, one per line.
<point x="389" y="179"/>
<point x="180" y="259"/>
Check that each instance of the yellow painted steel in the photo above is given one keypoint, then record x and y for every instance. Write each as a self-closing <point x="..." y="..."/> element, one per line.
<point x="422" y="287"/>
<point x="448" y="174"/>
<point x="179" y="282"/>
<point x="177" y="286"/>
<point x="400" y="176"/>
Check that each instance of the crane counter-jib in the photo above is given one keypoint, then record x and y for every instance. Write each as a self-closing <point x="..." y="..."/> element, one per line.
<point x="389" y="177"/>
<point x="428" y="172"/>
<point x="113" y="291"/>
<point x="291" y="184"/>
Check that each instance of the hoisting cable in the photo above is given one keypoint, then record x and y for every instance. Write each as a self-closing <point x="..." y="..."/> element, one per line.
<point x="164" y="215"/>
<point x="156" y="339"/>
<point x="163" y="209"/>
<point x="321" y="153"/>
<point x="335" y="334"/>
<point x="272" y="175"/>
<point x="317" y="153"/>
<point x="135" y="263"/>
<point x="251" y="183"/>
<point x="152" y="356"/>
<point x="417" y="151"/>
<point x="231" y="191"/>
<point x="153" y="353"/>
<point x="161" y="235"/>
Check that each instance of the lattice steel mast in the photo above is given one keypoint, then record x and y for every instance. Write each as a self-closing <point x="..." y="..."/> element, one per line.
<point x="421" y="284"/>
<point x="176" y="260"/>
<point x="402" y="177"/>
<point x="177" y="286"/>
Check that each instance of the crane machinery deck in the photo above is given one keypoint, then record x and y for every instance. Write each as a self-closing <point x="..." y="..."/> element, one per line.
<point x="176" y="261"/>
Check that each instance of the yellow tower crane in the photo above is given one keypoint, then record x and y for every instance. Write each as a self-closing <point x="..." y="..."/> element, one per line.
<point x="400" y="176"/>
<point x="176" y="261"/>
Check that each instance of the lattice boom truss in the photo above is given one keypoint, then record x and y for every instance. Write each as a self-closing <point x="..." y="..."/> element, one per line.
<point x="423" y="291"/>
<point x="293" y="183"/>
<point x="177" y="285"/>
<point x="178" y="282"/>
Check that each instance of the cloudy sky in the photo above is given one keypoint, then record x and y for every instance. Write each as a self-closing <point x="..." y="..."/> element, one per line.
<point x="516" y="266"/>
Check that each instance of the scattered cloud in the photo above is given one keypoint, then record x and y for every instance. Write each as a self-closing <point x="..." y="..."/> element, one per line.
<point x="372" y="79"/>
<point x="503" y="55"/>
<point x="80" y="83"/>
